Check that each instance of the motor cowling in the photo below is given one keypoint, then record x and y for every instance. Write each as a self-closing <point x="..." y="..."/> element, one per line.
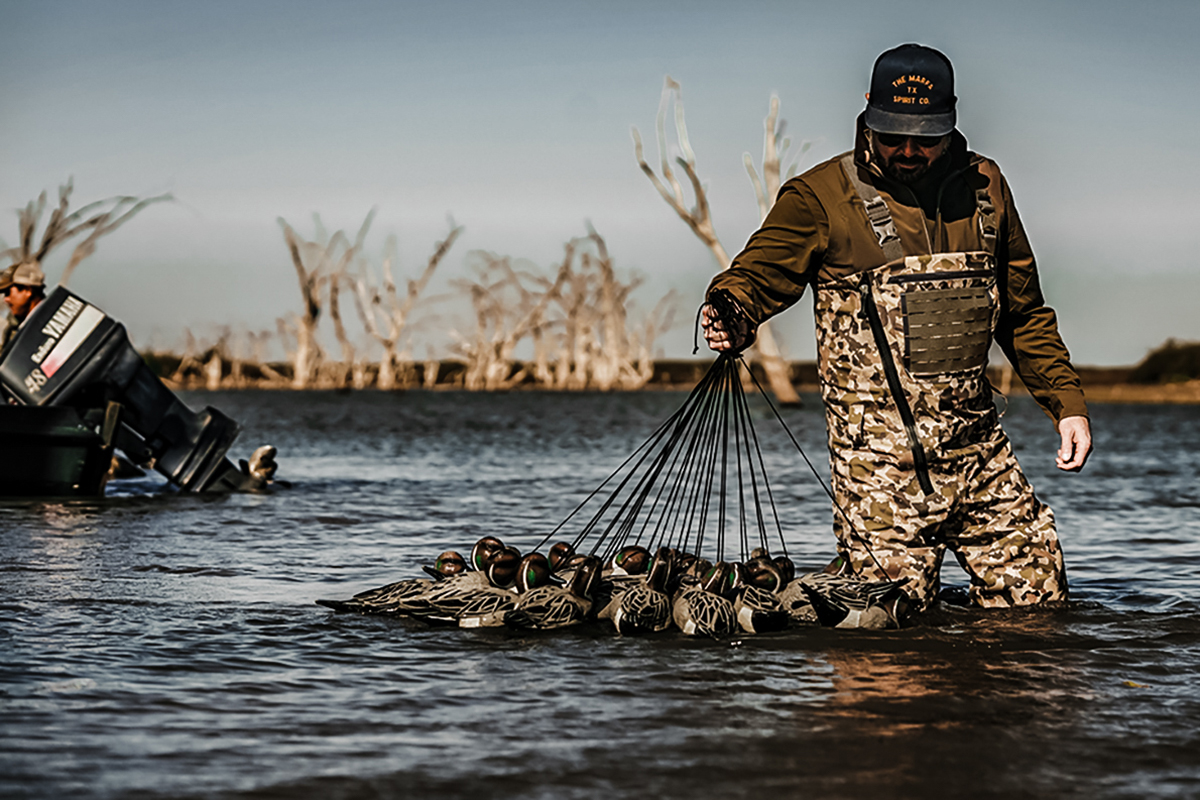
<point x="70" y="353"/>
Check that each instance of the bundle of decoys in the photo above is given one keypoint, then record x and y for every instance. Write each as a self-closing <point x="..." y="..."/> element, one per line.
<point x="653" y="547"/>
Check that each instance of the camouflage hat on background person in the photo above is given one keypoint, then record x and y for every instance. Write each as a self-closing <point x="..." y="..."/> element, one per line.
<point x="28" y="274"/>
<point x="912" y="93"/>
<point x="6" y="278"/>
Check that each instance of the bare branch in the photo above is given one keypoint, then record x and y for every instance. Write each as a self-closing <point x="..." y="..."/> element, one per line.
<point x="109" y="222"/>
<point x="699" y="218"/>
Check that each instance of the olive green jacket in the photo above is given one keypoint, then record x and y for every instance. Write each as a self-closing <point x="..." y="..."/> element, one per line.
<point x="818" y="231"/>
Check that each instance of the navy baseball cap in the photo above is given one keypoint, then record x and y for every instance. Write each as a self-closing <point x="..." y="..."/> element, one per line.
<point x="912" y="92"/>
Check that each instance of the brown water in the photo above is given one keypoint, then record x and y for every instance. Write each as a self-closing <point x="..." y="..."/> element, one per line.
<point x="155" y="645"/>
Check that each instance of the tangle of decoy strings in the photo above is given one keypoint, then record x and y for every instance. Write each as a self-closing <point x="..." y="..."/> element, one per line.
<point x="684" y="462"/>
<point x="727" y="309"/>
<point x="705" y="454"/>
<point x="836" y="505"/>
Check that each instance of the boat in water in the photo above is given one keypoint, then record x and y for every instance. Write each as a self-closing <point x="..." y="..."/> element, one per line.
<point x="76" y="392"/>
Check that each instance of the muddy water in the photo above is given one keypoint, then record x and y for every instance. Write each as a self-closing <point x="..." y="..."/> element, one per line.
<point x="163" y="646"/>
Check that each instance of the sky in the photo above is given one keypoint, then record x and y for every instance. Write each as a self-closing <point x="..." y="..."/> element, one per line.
<point x="514" y="118"/>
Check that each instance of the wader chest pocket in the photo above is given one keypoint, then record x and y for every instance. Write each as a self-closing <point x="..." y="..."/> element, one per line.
<point x="946" y="330"/>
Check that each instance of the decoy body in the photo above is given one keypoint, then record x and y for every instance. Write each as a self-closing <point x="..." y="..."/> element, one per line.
<point x="643" y="606"/>
<point x="445" y="603"/>
<point x="699" y="609"/>
<point x="552" y="607"/>
<point x="385" y="599"/>
<point x="755" y="603"/>
<point x="848" y="601"/>
<point x="487" y="608"/>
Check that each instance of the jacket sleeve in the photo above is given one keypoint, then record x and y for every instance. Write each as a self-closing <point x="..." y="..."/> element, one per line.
<point x="1028" y="328"/>
<point x="781" y="257"/>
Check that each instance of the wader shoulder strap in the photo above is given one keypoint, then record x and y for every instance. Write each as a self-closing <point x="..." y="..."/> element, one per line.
<point x="878" y="213"/>
<point x="987" y="219"/>
<point x="880" y="216"/>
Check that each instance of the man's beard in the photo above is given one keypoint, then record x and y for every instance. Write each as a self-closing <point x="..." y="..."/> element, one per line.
<point x="907" y="176"/>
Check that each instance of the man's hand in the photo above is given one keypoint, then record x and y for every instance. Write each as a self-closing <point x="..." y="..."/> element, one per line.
<point x="718" y="334"/>
<point x="1076" y="443"/>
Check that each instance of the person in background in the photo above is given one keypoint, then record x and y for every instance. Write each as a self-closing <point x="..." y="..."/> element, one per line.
<point x="917" y="261"/>
<point x="10" y="324"/>
<point x="26" y="288"/>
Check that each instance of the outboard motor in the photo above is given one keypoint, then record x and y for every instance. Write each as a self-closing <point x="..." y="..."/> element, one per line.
<point x="69" y="353"/>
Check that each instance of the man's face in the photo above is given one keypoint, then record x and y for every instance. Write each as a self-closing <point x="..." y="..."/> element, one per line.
<point x="20" y="300"/>
<point x="907" y="158"/>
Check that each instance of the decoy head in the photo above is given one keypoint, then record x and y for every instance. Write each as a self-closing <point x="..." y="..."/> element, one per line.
<point x="534" y="570"/>
<point x="450" y="563"/>
<point x="631" y="560"/>
<point x="763" y="573"/>
<point x="897" y="604"/>
<point x="572" y="563"/>
<point x="697" y="569"/>
<point x="661" y="568"/>
<point x="739" y="573"/>
<point x="719" y="579"/>
<point x="560" y="552"/>
<point x="684" y="561"/>
<point x="503" y="568"/>
<point x="587" y="576"/>
<point x="839" y="566"/>
<point x="483" y="551"/>
<point x="787" y="568"/>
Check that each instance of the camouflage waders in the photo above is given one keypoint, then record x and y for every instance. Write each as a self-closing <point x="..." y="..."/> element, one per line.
<point x="918" y="459"/>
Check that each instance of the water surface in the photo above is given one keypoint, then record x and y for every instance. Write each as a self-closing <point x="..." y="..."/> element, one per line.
<point x="157" y="645"/>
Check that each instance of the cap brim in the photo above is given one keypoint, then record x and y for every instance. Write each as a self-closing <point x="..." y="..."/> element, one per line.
<point x="882" y="121"/>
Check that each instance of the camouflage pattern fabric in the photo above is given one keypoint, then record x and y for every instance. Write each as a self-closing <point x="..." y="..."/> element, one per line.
<point x="8" y="331"/>
<point x="938" y="313"/>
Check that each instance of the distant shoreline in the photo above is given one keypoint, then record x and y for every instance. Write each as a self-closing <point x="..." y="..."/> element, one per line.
<point x="1100" y="384"/>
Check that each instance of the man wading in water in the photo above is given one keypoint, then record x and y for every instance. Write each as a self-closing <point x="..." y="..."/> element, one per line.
<point x="917" y="260"/>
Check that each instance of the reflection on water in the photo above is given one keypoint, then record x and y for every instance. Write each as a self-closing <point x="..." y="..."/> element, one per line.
<point x="159" y="645"/>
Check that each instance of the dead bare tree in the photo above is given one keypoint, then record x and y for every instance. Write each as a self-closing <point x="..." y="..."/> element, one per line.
<point x="775" y="147"/>
<point x="258" y="356"/>
<point x="384" y="312"/>
<point x="699" y="217"/>
<point x="643" y="336"/>
<point x="318" y="264"/>
<point x="506" y="310"/>
<point x="94" y="219"/>
<point x="621" y="357"/>
<point x="588" y="324"/>
<point x="189" y="363"/>
<point x="338" y="274"/>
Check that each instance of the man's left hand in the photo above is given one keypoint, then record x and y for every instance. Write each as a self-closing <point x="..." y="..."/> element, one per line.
<point x="1076" y="446"/>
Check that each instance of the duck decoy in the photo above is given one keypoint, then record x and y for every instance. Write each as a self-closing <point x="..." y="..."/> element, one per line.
<point x="459" y="584"/>
<point x="383" y="598"/>
<point x="848" y="601"/>
<point x="552" y="607"/>
<point x="644" y="607"/>
<point x="443" y="602"/>
<point x="487" y="609"/>
<point x="700" y="609"/>
<point x="757" y="607"/>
